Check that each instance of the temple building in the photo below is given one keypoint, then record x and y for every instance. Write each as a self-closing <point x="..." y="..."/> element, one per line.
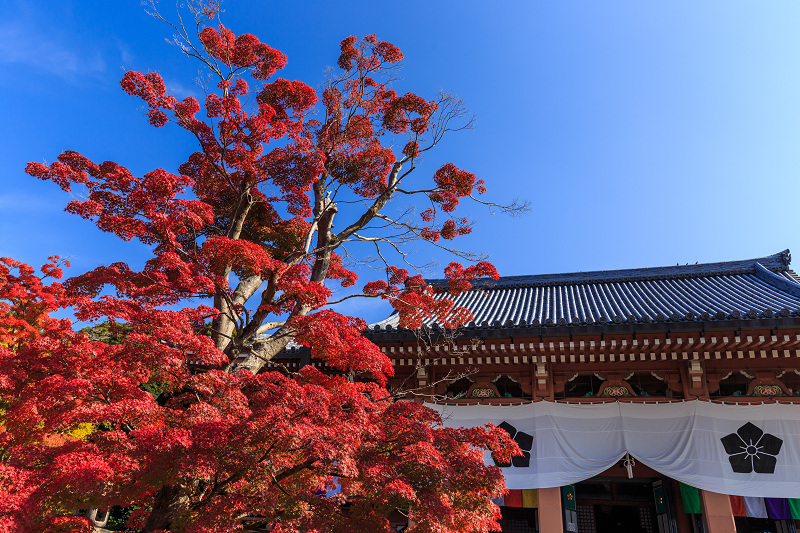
<point x="658" y="400"/>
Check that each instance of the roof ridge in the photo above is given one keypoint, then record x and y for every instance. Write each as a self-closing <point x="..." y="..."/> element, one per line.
<point x="779" y="282"/>
<point x="778" y="262"/>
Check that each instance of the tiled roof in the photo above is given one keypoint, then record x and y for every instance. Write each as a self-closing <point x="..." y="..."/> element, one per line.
<point x="750" y="289"/>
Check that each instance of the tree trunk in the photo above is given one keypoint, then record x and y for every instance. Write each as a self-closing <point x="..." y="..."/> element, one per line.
<point x="223" y="324"/>
<point x="263" y="352"/>
<point x="168" y="504"/>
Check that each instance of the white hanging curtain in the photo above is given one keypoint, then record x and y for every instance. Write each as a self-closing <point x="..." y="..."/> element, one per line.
<point x="746" y="450"/>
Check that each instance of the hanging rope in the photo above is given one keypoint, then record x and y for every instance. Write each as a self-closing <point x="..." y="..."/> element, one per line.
<point x="629" y="462"/>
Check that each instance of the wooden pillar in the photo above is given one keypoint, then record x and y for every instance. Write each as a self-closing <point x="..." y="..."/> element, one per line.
<point x="550" y="511"/>
<point x="683" y="520"/>
<point x="717" y="512"/>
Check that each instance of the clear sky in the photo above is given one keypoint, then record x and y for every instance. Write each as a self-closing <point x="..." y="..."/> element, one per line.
<point x="643" y="133"/>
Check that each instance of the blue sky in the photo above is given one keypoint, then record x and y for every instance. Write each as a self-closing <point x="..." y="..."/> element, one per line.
<point x="643" y="133"/>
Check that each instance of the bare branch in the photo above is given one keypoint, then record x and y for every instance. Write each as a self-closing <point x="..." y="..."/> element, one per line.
<point x="516" y="208"/>
<point x="268" y="326"/>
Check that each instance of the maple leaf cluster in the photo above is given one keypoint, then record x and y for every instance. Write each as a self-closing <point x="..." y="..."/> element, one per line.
<point x="178" y="411"/>
<point x="80" y="429"/>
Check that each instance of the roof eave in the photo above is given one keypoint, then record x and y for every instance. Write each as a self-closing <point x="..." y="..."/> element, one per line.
<point x="703" y="326"/>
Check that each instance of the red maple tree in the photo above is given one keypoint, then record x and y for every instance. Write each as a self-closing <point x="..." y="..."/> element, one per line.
<point x="243" y="236"/>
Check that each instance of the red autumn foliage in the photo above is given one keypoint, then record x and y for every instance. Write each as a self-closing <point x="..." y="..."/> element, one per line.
<point x="184" y="415"/>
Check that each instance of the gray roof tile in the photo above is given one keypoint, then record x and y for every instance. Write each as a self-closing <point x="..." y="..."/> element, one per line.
<point x="754" y="288"/>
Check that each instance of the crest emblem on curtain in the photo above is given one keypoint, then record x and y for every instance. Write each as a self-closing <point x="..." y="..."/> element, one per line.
<point x="752" y="450"/>
<point x="523" y="440"/>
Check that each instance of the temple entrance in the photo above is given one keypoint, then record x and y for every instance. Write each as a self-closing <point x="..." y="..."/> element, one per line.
<point x="614" y="518"/>
<point x="616" y="505"/>
<point x="519" y="520"/>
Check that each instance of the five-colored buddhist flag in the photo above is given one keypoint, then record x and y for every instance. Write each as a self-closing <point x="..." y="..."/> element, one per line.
<point x="794" y="507"/>
<point x="737" y="506"/>
<point x="691" y="499"/>
<point x="530" y="498"/>
<point x="778" y="508"/>
<point x="755" y="507"/>
<point x="513" y="498"/>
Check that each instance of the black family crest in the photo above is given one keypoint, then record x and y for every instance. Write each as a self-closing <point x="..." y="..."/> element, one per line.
<point x="752" y="450"/>
<point x="523" y="440"/>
